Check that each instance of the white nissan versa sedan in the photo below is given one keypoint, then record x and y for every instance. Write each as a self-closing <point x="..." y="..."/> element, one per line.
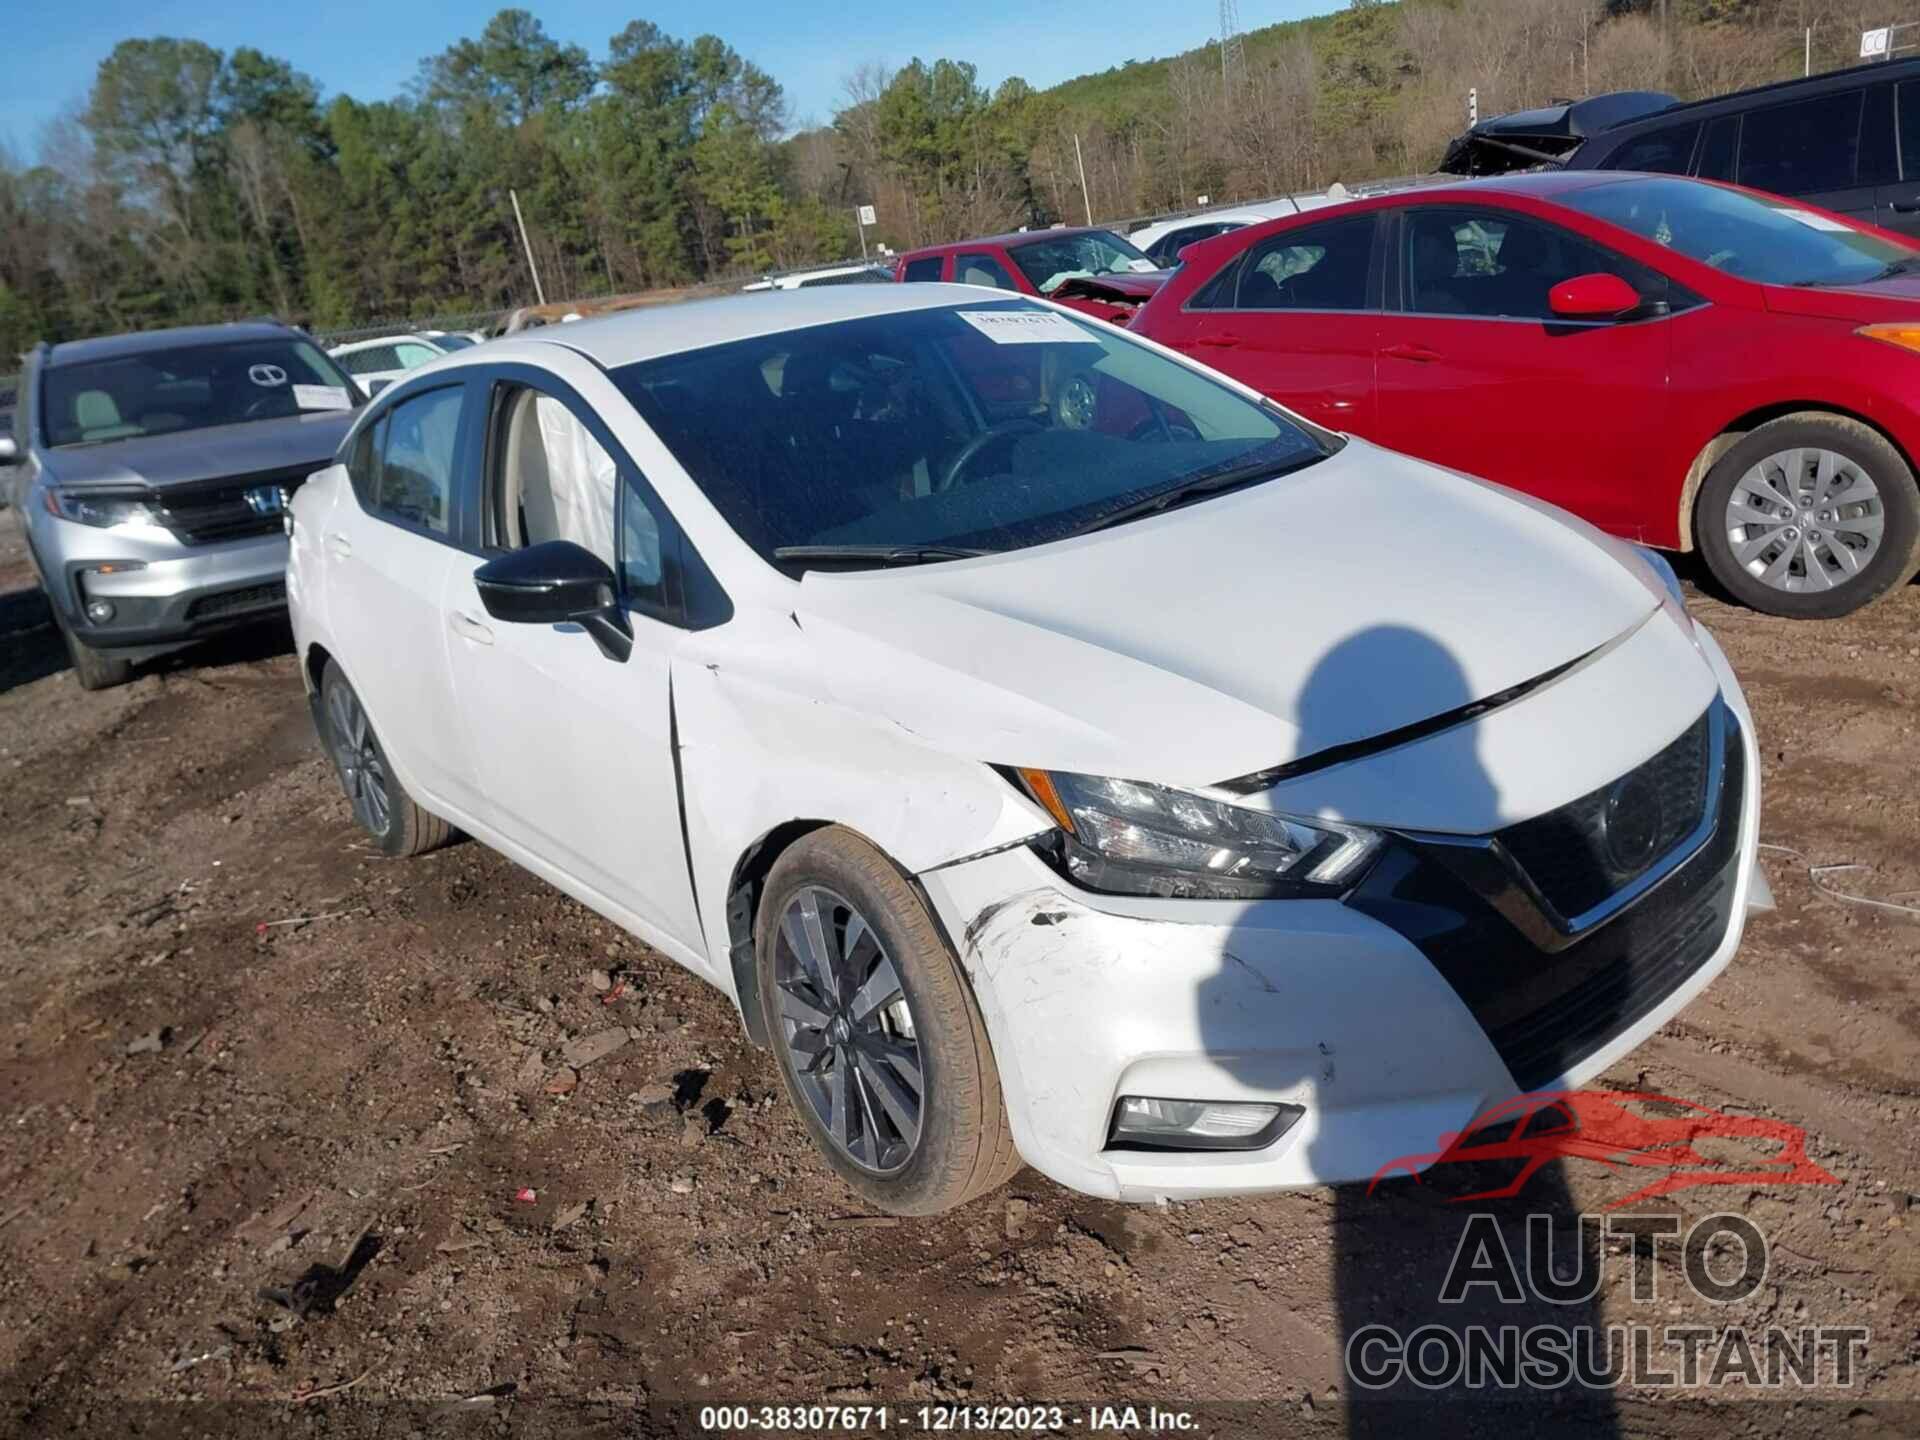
<point x="1061" y="754"/>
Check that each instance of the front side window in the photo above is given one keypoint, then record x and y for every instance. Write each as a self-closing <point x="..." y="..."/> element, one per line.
<point x="1482" y="263"/>
<point x="1320" y="267"/>
<point x="1807" y="146"/>
<point x="415" y="484"/>
<point x="924" y="270"/>
<point x="1761" y="238"/>
<point x="991" y="426"/>
<point x="977" y="269"/>
<point x="412" y="355"/>
<point x="550" y="479"/>
<point x="1049" y="262"/>
<point x="195" y="387"/>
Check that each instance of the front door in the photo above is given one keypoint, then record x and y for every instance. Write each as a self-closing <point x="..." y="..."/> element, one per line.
<point x="1296" y="320"/>
<point x="1477" y="373"/>
<point x="573" y="750"/>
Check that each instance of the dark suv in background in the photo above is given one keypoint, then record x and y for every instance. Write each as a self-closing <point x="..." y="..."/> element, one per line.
<point x="1848" y="141"/>
<point x="151" y="475"/>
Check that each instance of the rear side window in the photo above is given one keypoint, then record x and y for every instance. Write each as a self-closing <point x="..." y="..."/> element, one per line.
<point x="922" y="270"/>
<point x="1661" y="152"/>
<point x="1320" y="267"/>
<point x="982" y="270"/>
<point x="1167" y="248"/>
<point x="1804" y="147"/>
<point x="1910" y="129"/>
<point x="366" y="362"/>
<point x="416" y="462"/>
<point x="1717" y="150"/>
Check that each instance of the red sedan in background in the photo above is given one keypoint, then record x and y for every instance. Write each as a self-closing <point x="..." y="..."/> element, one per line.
<point x="1093" y="271"/>
<point x="1682" y="363"/>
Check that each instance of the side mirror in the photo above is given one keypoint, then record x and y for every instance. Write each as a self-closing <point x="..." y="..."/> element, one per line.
<point x="9" y="452"/>
<point x="374" y="387"/>
<point x="557" y="583"/>
<point x="1593" y="297"/>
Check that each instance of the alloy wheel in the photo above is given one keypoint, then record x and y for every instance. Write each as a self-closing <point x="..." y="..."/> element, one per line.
<point x="849" y="1031"/>
<point x="363" y="774"/>
<point x="1804" y="520"/>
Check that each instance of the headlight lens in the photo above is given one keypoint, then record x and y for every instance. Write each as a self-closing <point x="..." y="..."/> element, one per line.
<point x="103" y="511"/>
<point x="1126" y="837"/>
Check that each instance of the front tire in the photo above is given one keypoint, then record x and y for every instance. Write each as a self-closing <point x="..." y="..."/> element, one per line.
<point x="880" y="1044"/>
<point x="380" y="802"/>
<point x="1810" y="516"/>
<point x="94" y="669"/>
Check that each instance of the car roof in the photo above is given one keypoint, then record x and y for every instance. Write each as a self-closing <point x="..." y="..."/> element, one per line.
<point x="647" y="334"/>
<point x="1883" y="70"/>
<point x="115" y="347"/>
<point x="1012" y="240"/>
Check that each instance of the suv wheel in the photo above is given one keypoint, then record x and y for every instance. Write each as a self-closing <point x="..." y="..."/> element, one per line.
<point x="880" y="1044"/>
<point x="1810" y="516"/>
<point x="94" y="669"/>
<point x="380" y="802"/>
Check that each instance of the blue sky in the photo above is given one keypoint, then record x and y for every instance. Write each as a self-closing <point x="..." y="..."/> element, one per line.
<point x="371" y="48"/>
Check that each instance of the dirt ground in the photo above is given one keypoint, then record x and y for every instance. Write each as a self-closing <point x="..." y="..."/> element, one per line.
<point x="204" y="1094"/>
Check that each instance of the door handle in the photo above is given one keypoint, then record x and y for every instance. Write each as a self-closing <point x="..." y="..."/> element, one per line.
<point x="1418" y="353"/>
<point x="1907" y="207"/>
<point x="1218" y="342"/>
<point x="469" y="628"/>
<point x="339" y="544"/>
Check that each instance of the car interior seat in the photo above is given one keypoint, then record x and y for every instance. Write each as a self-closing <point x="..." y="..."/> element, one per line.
<point x="98" y="417"/>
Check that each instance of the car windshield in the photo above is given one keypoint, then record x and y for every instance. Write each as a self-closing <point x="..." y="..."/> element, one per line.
<point x="193" y="387"/>
<point x="1761" y="238"/>
<point x="980" y="427"/>
<point x="1055" y="259"/>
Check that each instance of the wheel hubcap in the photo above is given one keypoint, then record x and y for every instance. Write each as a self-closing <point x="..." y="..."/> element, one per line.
<point x="1805" y="520"/>
<point x="848" y="1030"/>
<point x="362" y="773"/>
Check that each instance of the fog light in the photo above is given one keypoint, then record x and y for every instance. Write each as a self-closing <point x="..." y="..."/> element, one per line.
<point x="100" y="611"/>
<point x="1200" y="1124"/>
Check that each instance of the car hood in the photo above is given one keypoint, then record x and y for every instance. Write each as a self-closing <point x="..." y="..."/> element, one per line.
<point x="1134" y="287"/>
<point x="1894" y="299"/>
<point x="186" y="456"/>
<point x="1365" y="593"/>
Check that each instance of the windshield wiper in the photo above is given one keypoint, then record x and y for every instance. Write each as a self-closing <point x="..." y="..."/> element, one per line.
<point x="876" y="554"/>
<point x="1193" y="490"/>
<point x="1906" y="265"/>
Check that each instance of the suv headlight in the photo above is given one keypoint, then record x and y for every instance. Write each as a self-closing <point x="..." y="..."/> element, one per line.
<point x="104" y="511"/>
<point x="1127" y="837"/>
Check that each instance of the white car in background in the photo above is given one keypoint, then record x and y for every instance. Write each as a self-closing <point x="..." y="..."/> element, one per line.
<point x="861" y="274"/>
<point x="377" y="363"/>
<point x="966" y="688"/>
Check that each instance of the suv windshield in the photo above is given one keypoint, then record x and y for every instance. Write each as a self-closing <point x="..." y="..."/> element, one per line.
<point x="195" y="387"/>
<point x="1050" y="262"/>
<point x="1761" y="238"/>
<point x="980" y="427"/>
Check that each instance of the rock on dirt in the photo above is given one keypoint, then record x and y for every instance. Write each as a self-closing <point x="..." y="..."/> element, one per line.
<point x="584" y="1050"/>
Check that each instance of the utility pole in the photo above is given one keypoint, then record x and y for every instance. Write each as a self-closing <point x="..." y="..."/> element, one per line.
<point x="1232" y="49"/>
<point x="1085" y="197"/>
<point x="520" y="220"/>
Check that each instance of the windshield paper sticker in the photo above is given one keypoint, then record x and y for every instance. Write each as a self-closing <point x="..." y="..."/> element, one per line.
<point x="1026" y="327"/>
<point x="1142" y="267"/>
<point x="321" y="397"/>
<point x="1812" y="221"/>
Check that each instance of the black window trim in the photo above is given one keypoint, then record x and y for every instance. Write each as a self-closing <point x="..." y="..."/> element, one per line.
<point x="680" y="559"/>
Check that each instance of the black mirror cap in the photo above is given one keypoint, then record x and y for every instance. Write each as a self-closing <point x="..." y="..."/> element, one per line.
<point x="547" y="584"/>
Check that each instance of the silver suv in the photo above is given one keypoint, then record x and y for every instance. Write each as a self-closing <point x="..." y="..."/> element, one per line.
<point x="153" y="476"/>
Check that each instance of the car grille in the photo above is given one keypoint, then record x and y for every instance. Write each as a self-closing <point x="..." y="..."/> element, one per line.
<point x="235" y="602"/>
<point x="1546" y="1008"/>
<point x="1592" y="847"/>
<point x="206" y="514"/>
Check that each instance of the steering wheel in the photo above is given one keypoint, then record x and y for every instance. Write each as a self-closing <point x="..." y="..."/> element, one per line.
<point x="1157" y="430"/>
<point x="969" y="452"/>
<point x="258" y="406"/>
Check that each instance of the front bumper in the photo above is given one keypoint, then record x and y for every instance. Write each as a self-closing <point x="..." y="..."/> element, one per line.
<point x="180" y="593"/>
<point x="1318" y="1004"/>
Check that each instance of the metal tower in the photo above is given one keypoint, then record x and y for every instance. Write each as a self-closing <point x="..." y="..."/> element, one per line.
<point x="1233" y="58"/>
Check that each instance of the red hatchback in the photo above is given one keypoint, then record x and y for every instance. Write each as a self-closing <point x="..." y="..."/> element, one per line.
<point x="1093" y="271"/>
<point x="1682" y="363"/>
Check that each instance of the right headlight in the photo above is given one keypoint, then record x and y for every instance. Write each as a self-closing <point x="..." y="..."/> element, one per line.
<point x="104" y="511"/>
<point x="1127" y="837"/>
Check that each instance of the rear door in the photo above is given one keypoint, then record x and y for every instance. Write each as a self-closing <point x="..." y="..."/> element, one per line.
<point x="1296" y="317"/>
<point x="388" y="559"/>
<point x="1477" y="373"/>
<point x="1834" y="150"/>
<point x="1898" y="204"/>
